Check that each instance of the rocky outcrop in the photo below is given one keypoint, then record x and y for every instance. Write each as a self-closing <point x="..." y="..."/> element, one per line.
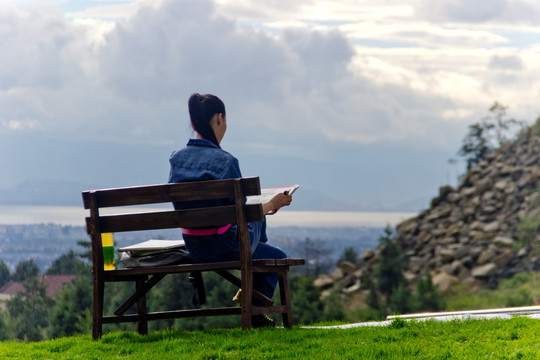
<point x="470" y="234"/>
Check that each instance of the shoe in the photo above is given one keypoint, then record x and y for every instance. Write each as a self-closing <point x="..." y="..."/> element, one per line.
<point x="238" y="297"/>
<point x="259" y="321"/>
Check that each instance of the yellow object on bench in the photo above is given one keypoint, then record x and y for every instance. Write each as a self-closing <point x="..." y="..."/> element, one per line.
<point x="108" y="251"/>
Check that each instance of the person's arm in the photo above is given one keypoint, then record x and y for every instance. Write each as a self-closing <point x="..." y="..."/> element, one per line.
<point x="276" y="203"/>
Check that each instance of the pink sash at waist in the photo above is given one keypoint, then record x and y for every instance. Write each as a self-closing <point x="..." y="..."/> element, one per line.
<point x="206" y="232"/>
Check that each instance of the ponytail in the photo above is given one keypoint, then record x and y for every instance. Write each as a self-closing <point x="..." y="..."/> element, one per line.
<point x="202" y="109"/>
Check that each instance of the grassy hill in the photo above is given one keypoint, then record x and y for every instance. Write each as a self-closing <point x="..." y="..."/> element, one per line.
<point x="473" y="339"/>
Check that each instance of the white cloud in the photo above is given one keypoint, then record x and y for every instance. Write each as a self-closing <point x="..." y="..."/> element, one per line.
<point x="508" y="62"/>
<point x="129" y="79"/>
<point x="19" y="125"/>
<point x="494" y="11"/>
<point x="316" y="79"/>
<point x="124" y="9"/>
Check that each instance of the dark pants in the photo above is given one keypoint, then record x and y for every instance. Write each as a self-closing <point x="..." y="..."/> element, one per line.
<point x="225" y="247"/>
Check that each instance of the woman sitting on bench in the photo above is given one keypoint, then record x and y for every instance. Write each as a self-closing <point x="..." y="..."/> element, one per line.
<point x="203" y="159"/>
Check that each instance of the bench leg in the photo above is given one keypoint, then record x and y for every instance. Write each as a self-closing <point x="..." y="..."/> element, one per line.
<point x="247" y="298"/>
<point x="97" y="307"/>
<point x="142" y="326"/>
<point x="285" y="298"/>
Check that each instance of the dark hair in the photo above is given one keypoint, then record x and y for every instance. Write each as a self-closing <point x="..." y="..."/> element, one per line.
<point x="202" y="109"/>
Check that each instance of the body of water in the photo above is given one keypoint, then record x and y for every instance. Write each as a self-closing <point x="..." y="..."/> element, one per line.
<point x="73" y="215"/>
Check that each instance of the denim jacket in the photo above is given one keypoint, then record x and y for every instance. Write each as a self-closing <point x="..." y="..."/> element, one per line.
<point x="202" y="160"/>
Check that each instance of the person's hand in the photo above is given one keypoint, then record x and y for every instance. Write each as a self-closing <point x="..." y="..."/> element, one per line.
<point x="281" y="200"/>
<point x="276" y="203"/>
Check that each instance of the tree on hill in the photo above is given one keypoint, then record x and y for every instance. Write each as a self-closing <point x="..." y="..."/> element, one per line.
<point x="349" y="254"/>
<point x="308" y="308"/>
<point x="70" y="314"/>
<point x="29" y="311"/>
<point x="87" y="253"/>
<point x="427" y="297"/>
<point x="392" y="263"/>
<point x="67" y="263"/>
<point x="388" y="291"/>
<point x="5" y="275"/>
<point x="3" y="326"/>
<point x="488" y="134"/>
<point x="25" y="270"/>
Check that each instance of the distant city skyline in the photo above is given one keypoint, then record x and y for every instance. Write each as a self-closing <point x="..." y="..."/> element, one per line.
<point x="362" y="101"/>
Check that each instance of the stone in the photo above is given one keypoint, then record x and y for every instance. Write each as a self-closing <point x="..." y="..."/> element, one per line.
<point x="486" y="256"/>
<point x="455" y="267"/>
<point x="325" y="293"/>
<point x="454" y="197"/>
<point x="469" y="191"/>
<point x="368" y="254"/>
<point x="347" y="267"/>
<point x="323" y="281"/>
<point x="492" y="227"/>
<point x="337" y="274"/>
<point x="490" y="209"/>
<point x="488" y="196"/>
<point x="484" y="271"/>
<point x="503" y="241"/>
<point x="467" y="261"/>
<point x="501" y="185"/>
<point x="443" y="281"/>
<point x="462" y="252"/>
<point x="506" y="170"/>
<point x="511" y="189"/>
<point x="346" y="282"/>
<point x="407" y="227"/>
<point x="409" y="276"/>
<point x="353" y="288"/>
<point x="522" y="252"/>
<point x="504" y="258"/>
<point x="464" y="274"/>
<point x="446" y="254"/>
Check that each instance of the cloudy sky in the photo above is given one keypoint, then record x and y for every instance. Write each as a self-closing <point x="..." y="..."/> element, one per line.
<point x="361" y="100"/>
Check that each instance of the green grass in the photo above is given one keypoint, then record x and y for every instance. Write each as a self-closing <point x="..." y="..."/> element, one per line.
<point x="521" y="290"/>
<point x="474" y="339"/>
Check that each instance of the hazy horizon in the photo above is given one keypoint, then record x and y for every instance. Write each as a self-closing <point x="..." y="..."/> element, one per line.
<point x="74" y="216"/>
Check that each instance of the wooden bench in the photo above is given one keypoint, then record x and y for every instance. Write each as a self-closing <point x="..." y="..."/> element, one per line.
<point x="117" y="220"/>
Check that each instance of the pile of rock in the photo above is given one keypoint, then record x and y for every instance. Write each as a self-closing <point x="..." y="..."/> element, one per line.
<point x="346" y="278"/>
<point x="469" y="234"/>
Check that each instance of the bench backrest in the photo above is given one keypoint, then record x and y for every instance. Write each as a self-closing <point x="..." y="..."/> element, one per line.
<point x="117" y="220"/>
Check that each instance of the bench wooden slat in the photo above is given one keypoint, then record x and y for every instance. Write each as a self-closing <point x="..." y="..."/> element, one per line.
<point x="279" y="262"/>
<point x="176" y="314"/>
<point x="117" y="275"/>
<point x="173" y="314"/>
<point x="168" y="193"/>
<point x="194" y="218"/>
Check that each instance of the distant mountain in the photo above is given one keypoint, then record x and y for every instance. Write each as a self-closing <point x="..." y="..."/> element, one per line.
<point x="306" y="199"/>
<point x="57" y="192"/>
<point x="44" y="192"/>
<point x="65" y="193"/>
